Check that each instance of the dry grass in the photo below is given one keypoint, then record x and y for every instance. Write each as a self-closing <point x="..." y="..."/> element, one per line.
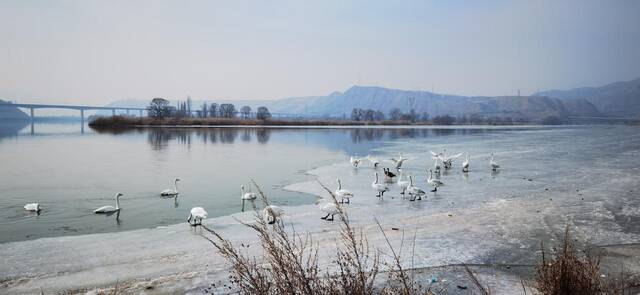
<point x="575" y="272"/>
<point x="290" y="261"/>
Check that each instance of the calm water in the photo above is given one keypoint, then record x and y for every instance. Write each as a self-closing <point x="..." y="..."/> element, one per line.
<point x="71" y="170"/>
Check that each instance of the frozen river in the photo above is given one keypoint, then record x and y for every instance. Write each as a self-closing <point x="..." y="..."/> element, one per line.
<point x="551" y="177"/>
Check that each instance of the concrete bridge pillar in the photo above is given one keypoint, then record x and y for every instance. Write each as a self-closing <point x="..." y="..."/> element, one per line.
<point x="82" y="116"/>
<point x="113" y="112"/>
<point x="127" y="112"/>
<point x="31" y="111"/>
<point x="140" y="113"/>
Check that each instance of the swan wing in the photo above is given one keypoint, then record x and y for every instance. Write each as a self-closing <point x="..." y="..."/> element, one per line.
<point x="199" y="212"/>
<point x="105" y="209"/>
<point x="455" y="156"/>
<point x="168" y="192"/>
<point x="343" y="193"/>
<point x="329" y="208"/>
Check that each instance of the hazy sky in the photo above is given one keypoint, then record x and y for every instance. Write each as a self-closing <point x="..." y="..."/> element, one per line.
<point x="94" y="52"/>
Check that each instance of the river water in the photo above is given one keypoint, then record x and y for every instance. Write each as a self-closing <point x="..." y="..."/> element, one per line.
<point x="71" y="170"/>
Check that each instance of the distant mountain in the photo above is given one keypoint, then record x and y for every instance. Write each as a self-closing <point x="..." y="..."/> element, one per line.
<point x="620" y="99"/>
<point x="11" y="113"/>
<point x="615" y="100"/>
<point x="385" y="99"/>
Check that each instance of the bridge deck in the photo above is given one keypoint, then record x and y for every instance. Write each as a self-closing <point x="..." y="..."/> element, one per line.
<point x="62" y="106"/>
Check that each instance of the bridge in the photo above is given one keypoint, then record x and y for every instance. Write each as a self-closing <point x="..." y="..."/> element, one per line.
<point x="81" y="108"/>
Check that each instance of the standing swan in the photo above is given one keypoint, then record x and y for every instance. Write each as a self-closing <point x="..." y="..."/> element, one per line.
<point x="355" y="161"/>
<point x="494" y="165"/>
<point x="33" y="207"/>
<point x="434" y="182"/>
<point x="436" y="166"/>
<point x="403" y="184"/>
<point x="272" y="212"/>
<point x="398" y="162"/>
<point x="197" y="214"/>
<point x="171" y="192"/>
<point x="379" y="187"/>
<point x="247" y="196"/>
<point x="342" y="193"/>
<point x="414" y="191"/>
<point x="330" y="209"/>
<point x="110" y="209"/>
<point x="465" y="164"/>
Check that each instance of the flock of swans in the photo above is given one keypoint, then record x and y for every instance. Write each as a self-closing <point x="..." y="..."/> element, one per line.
<point x="407" y="187"/>
<point x="330" y="209"/>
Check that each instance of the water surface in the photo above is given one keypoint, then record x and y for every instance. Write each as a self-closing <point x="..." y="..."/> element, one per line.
<point x="71" y="170"/>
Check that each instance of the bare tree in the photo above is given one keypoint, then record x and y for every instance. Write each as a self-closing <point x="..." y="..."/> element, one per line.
<point x="355" y="114"/>
<point x="246" y="112"/>
<point x="227" y="110"/>
<point x="204" y="110"/>
<point x="395" y="114"/>
<point x="263" y="113"/>
<point x="378" y="116"/>
<point x="188" y="106"/>
<point x="158" y="108"/>
<point x="213" y="110"/>
<point x="368" y="115"/>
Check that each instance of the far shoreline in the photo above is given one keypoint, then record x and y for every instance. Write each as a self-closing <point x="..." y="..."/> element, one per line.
<point x="121" y="122"/>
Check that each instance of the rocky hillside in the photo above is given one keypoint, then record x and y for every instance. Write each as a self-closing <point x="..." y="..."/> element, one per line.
<point x="385" y="99"/>
<point x="620" y="99"/>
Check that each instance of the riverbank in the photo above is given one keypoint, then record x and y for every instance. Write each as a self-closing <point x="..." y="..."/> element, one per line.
<point x="125" y="122"/>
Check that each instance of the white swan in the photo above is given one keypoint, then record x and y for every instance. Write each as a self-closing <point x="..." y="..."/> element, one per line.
<point x="494" y="165"/>
<point x="403" y="184"/>
<point x="399" y="161"/>
<point x="435" y="155"/>
<point x="414" y="191"/>
<point x="34" y="207"/>
<point x="247" y="196"/>
<point x="197" y="214"/>
<point x="379" y="187"/>
<point x="110" y="209"/>
<point x="436" y="165"/>
<point x="171" y="192"/>
<point x="375" y="161"/>
<point x="434" y="182"/>
<point x="448" y="161"/>
<point x="355" y="161"/>
<point x="271" y="213"/>
<point x="342" y="193"/>
<point x="331" y="209"/>
<point x="465" y="164"/>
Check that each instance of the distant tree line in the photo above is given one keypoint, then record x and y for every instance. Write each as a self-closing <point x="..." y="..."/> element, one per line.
<point x="160" y="108"/>
<point x="412" y="116"/>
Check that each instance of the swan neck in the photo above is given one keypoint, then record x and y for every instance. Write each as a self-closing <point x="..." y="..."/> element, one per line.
<point x="339" y="184"/>
<point x="118" y="202"/>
